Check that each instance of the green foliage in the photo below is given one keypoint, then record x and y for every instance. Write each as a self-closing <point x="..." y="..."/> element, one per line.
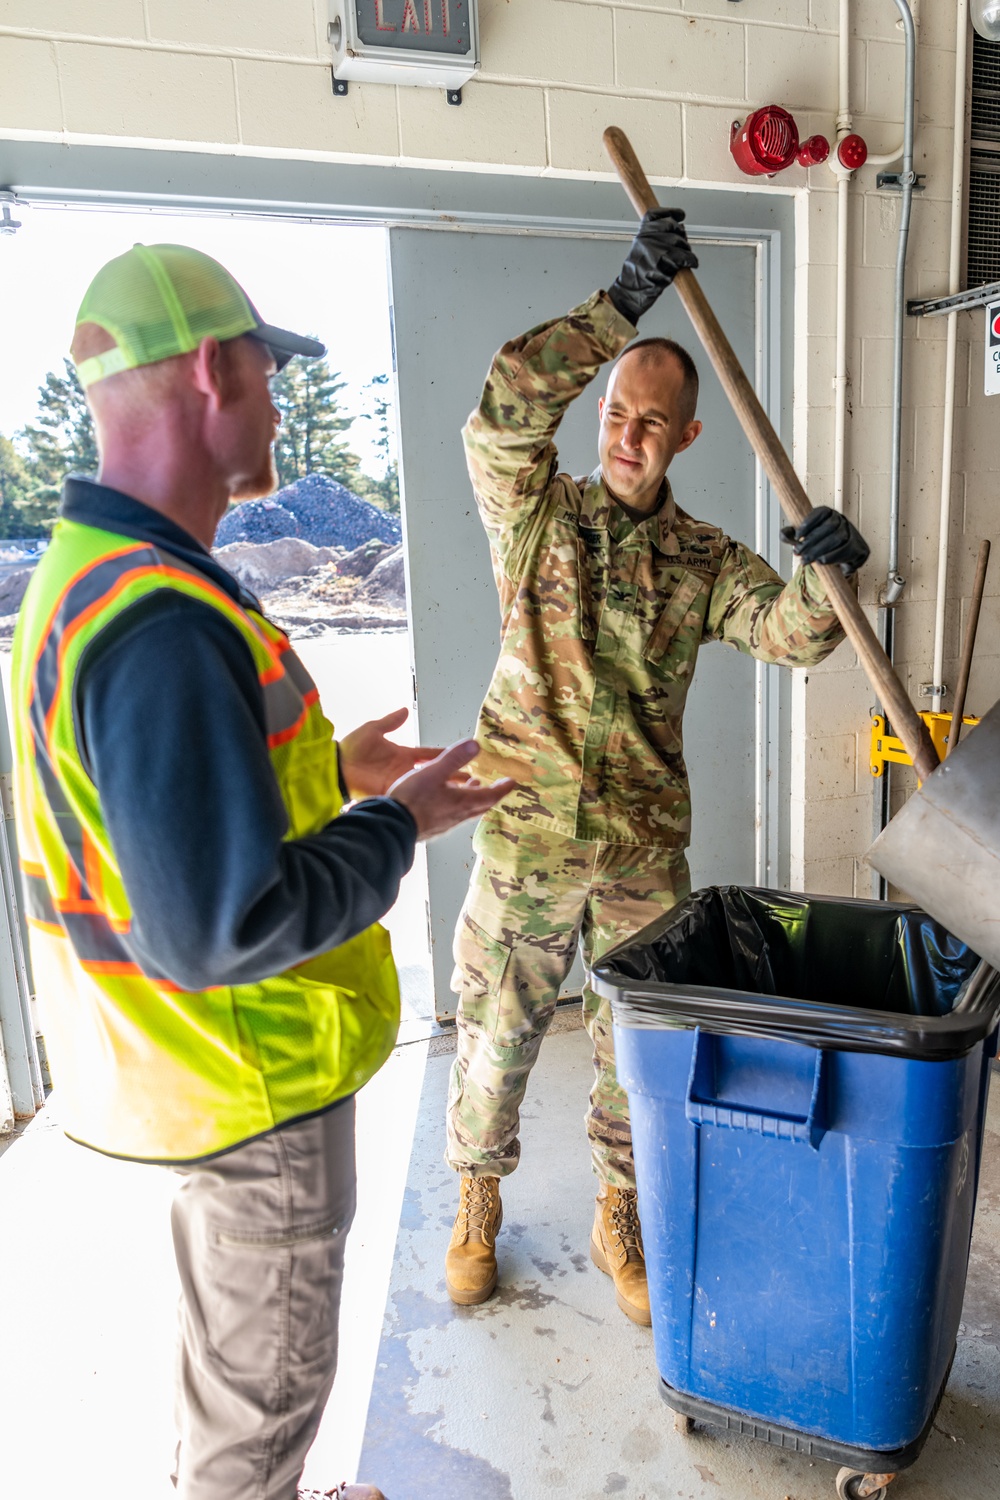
<point x="306" y="392"/>
<point x="384" y="491"/>
<point x="61" y="441"/>
<point x="15" y="490"/>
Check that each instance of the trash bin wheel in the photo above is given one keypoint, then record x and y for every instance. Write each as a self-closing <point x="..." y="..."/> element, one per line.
<point x="682" y="1424"/>
<point x="856" y="1484"/>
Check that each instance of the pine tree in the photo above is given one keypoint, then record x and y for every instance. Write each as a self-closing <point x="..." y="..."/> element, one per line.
<point x="62" y="441"/>
<point x="15" y="489"/>
<point x="384" y="491"/>
<point x="306" y="392"/>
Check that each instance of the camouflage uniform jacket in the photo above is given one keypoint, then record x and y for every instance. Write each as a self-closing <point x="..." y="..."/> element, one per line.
<point x="602" y="619"/>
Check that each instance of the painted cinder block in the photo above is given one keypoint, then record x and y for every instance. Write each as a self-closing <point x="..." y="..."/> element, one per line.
<point x="831" y="768"/>
<point x="775" y="12"/>
<point x="687" y="56"/>
<point x="554" y="41"/>
<point x="497" y="125"/>
<point x="29" y="92"/>
<point x="147" y="95"/>
<point x="97" y="18"/>
<point x="577" y="122"/>
<point x="707" y="157"/>
<point x="288" y="29"/>
<point x="292" y="107"/>
<point x="797" y="69"/>
<point x="829" y="877"/>
<point x="838" y="827"/>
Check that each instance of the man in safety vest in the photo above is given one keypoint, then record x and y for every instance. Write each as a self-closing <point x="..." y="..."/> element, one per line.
<point x="202" y="912"/>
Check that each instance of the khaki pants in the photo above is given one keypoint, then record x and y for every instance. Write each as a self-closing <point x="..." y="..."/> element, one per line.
<point x="534" y="896"/>
<point x="259" y="1236"/>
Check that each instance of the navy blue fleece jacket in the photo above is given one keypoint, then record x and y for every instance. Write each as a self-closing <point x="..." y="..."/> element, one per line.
<point x="170" y="724"/>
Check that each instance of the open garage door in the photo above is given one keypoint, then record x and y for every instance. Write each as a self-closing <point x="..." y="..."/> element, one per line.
<point x="457" y="296"/>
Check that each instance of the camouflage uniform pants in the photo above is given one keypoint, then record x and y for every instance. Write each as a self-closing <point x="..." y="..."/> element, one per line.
<point x="534" y="896"/>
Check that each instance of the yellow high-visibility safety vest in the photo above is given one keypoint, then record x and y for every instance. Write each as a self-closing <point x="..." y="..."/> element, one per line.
<point x="145" y="1069"/>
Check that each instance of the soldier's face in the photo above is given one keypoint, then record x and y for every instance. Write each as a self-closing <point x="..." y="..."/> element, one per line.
<point x="643" y="426"/>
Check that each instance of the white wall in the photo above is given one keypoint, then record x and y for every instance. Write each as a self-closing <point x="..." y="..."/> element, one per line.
<point x="251" y="77"/>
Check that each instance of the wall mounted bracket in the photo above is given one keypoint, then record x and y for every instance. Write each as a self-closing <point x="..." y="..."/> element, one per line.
<point x="892" y="182"/>
<point x="9" y="200"/>
<point x="935" y="307"/>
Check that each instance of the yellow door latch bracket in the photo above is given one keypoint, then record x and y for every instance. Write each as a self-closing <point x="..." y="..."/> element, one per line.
<point x="886" y="748"/>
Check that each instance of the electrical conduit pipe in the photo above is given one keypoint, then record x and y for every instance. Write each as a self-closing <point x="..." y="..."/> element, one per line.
<point x="954" y="270"/>
<point x="894" y="583"/>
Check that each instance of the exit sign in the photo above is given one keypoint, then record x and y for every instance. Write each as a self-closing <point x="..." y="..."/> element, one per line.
<point x="993" y="349"/>
<point x="430" y="43"/>
<point x="416" y="25"/>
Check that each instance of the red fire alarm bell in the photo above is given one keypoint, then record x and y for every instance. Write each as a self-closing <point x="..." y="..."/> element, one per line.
<point x="768" y="141"/>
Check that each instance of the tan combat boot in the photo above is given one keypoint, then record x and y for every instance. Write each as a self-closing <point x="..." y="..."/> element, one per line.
<point x="616" y="1248"/>
<point x="470" y="1267"/>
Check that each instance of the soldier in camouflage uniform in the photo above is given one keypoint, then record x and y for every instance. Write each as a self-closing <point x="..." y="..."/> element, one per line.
<point x="607" y="592"/>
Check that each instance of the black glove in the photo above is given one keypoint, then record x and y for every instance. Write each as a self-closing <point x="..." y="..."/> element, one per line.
<point x="827" y="536"/>
<point x="659" y="250"/>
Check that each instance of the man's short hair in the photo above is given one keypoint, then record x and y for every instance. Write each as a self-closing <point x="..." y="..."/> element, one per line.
<point x="689" y="388"/>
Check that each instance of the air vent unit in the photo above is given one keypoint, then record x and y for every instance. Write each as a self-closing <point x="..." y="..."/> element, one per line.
<point x="984" y="165"/>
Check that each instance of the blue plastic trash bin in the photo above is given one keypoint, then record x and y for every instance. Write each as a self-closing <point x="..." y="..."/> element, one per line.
<point x="807" y="1083"/>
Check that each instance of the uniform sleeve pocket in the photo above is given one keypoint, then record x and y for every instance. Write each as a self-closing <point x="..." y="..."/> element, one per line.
<point x="682" y="605"/>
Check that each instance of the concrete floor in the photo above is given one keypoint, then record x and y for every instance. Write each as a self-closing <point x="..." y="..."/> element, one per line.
<point x="546" y="1390"/>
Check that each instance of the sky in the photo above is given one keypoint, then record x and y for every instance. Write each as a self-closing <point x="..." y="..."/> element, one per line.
<point x="325" y="279"/>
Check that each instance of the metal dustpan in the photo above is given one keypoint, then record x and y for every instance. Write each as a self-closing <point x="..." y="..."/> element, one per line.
<point x="943" y="847"/>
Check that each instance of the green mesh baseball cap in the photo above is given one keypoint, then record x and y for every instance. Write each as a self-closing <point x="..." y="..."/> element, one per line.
<point x="160" y="300"/>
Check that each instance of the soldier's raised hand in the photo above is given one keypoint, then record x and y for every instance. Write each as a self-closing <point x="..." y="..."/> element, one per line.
<point x="827" y="536"/>
<point x="660" y="249"/>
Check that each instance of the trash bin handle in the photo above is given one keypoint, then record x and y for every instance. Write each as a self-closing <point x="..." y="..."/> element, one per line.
<point x="703" y="1109"/>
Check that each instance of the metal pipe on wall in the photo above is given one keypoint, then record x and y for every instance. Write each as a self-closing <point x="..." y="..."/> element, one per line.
<point x="844" y="126"/>
<point x="894" y="583"/>
<point x="951" y="348"/>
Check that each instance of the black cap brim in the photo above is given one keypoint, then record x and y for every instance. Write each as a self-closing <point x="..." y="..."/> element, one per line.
<point x="283" y="344"/>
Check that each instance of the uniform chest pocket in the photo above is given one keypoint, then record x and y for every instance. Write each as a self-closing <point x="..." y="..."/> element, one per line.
<point x="680" y="625"/>
<point x="593" y="565"/>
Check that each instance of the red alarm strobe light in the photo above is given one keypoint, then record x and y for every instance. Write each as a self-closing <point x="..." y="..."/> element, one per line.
<point x="852" y="152"/>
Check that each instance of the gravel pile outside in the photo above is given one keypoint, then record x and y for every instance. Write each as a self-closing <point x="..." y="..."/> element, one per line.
<point x="316" y="508"/>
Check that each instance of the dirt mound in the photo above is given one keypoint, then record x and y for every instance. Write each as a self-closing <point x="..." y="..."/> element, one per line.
<point x="13" y="586"/>
<point x="387" y="580"/>
<point x="262" y="565"/>
<point x="316" y="508"/>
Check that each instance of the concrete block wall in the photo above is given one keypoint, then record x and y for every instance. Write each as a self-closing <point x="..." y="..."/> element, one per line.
<point x="251" y="77"/>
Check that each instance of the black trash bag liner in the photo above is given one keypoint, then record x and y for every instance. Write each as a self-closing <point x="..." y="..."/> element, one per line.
<point x="863" y="975"/>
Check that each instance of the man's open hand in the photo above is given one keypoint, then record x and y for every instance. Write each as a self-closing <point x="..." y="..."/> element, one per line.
<point x="371" y="763"/>
<point x="440" y="797"/>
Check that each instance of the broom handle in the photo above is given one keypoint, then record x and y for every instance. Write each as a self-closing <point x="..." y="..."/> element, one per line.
<point x="778" y="468"/>
<point x="969" y="645"/>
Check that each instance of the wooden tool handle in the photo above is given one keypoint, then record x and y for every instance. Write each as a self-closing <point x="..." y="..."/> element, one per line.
<point x="969" y="645"/>
<point x="778" y="468"/>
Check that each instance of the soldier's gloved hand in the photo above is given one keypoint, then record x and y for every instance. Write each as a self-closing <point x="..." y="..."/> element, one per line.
<point x="659" y="250"/>
<point x="827" y="536"/>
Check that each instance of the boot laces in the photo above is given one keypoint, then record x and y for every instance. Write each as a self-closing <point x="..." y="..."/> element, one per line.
<point x="625" y="1218"/>
<point x="478" y="1207"/>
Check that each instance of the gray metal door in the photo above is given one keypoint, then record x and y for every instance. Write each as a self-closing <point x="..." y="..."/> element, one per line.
<point x="457" y="296"/>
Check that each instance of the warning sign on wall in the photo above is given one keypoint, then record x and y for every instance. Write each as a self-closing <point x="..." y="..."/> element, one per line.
<point x="993" y="349"/>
